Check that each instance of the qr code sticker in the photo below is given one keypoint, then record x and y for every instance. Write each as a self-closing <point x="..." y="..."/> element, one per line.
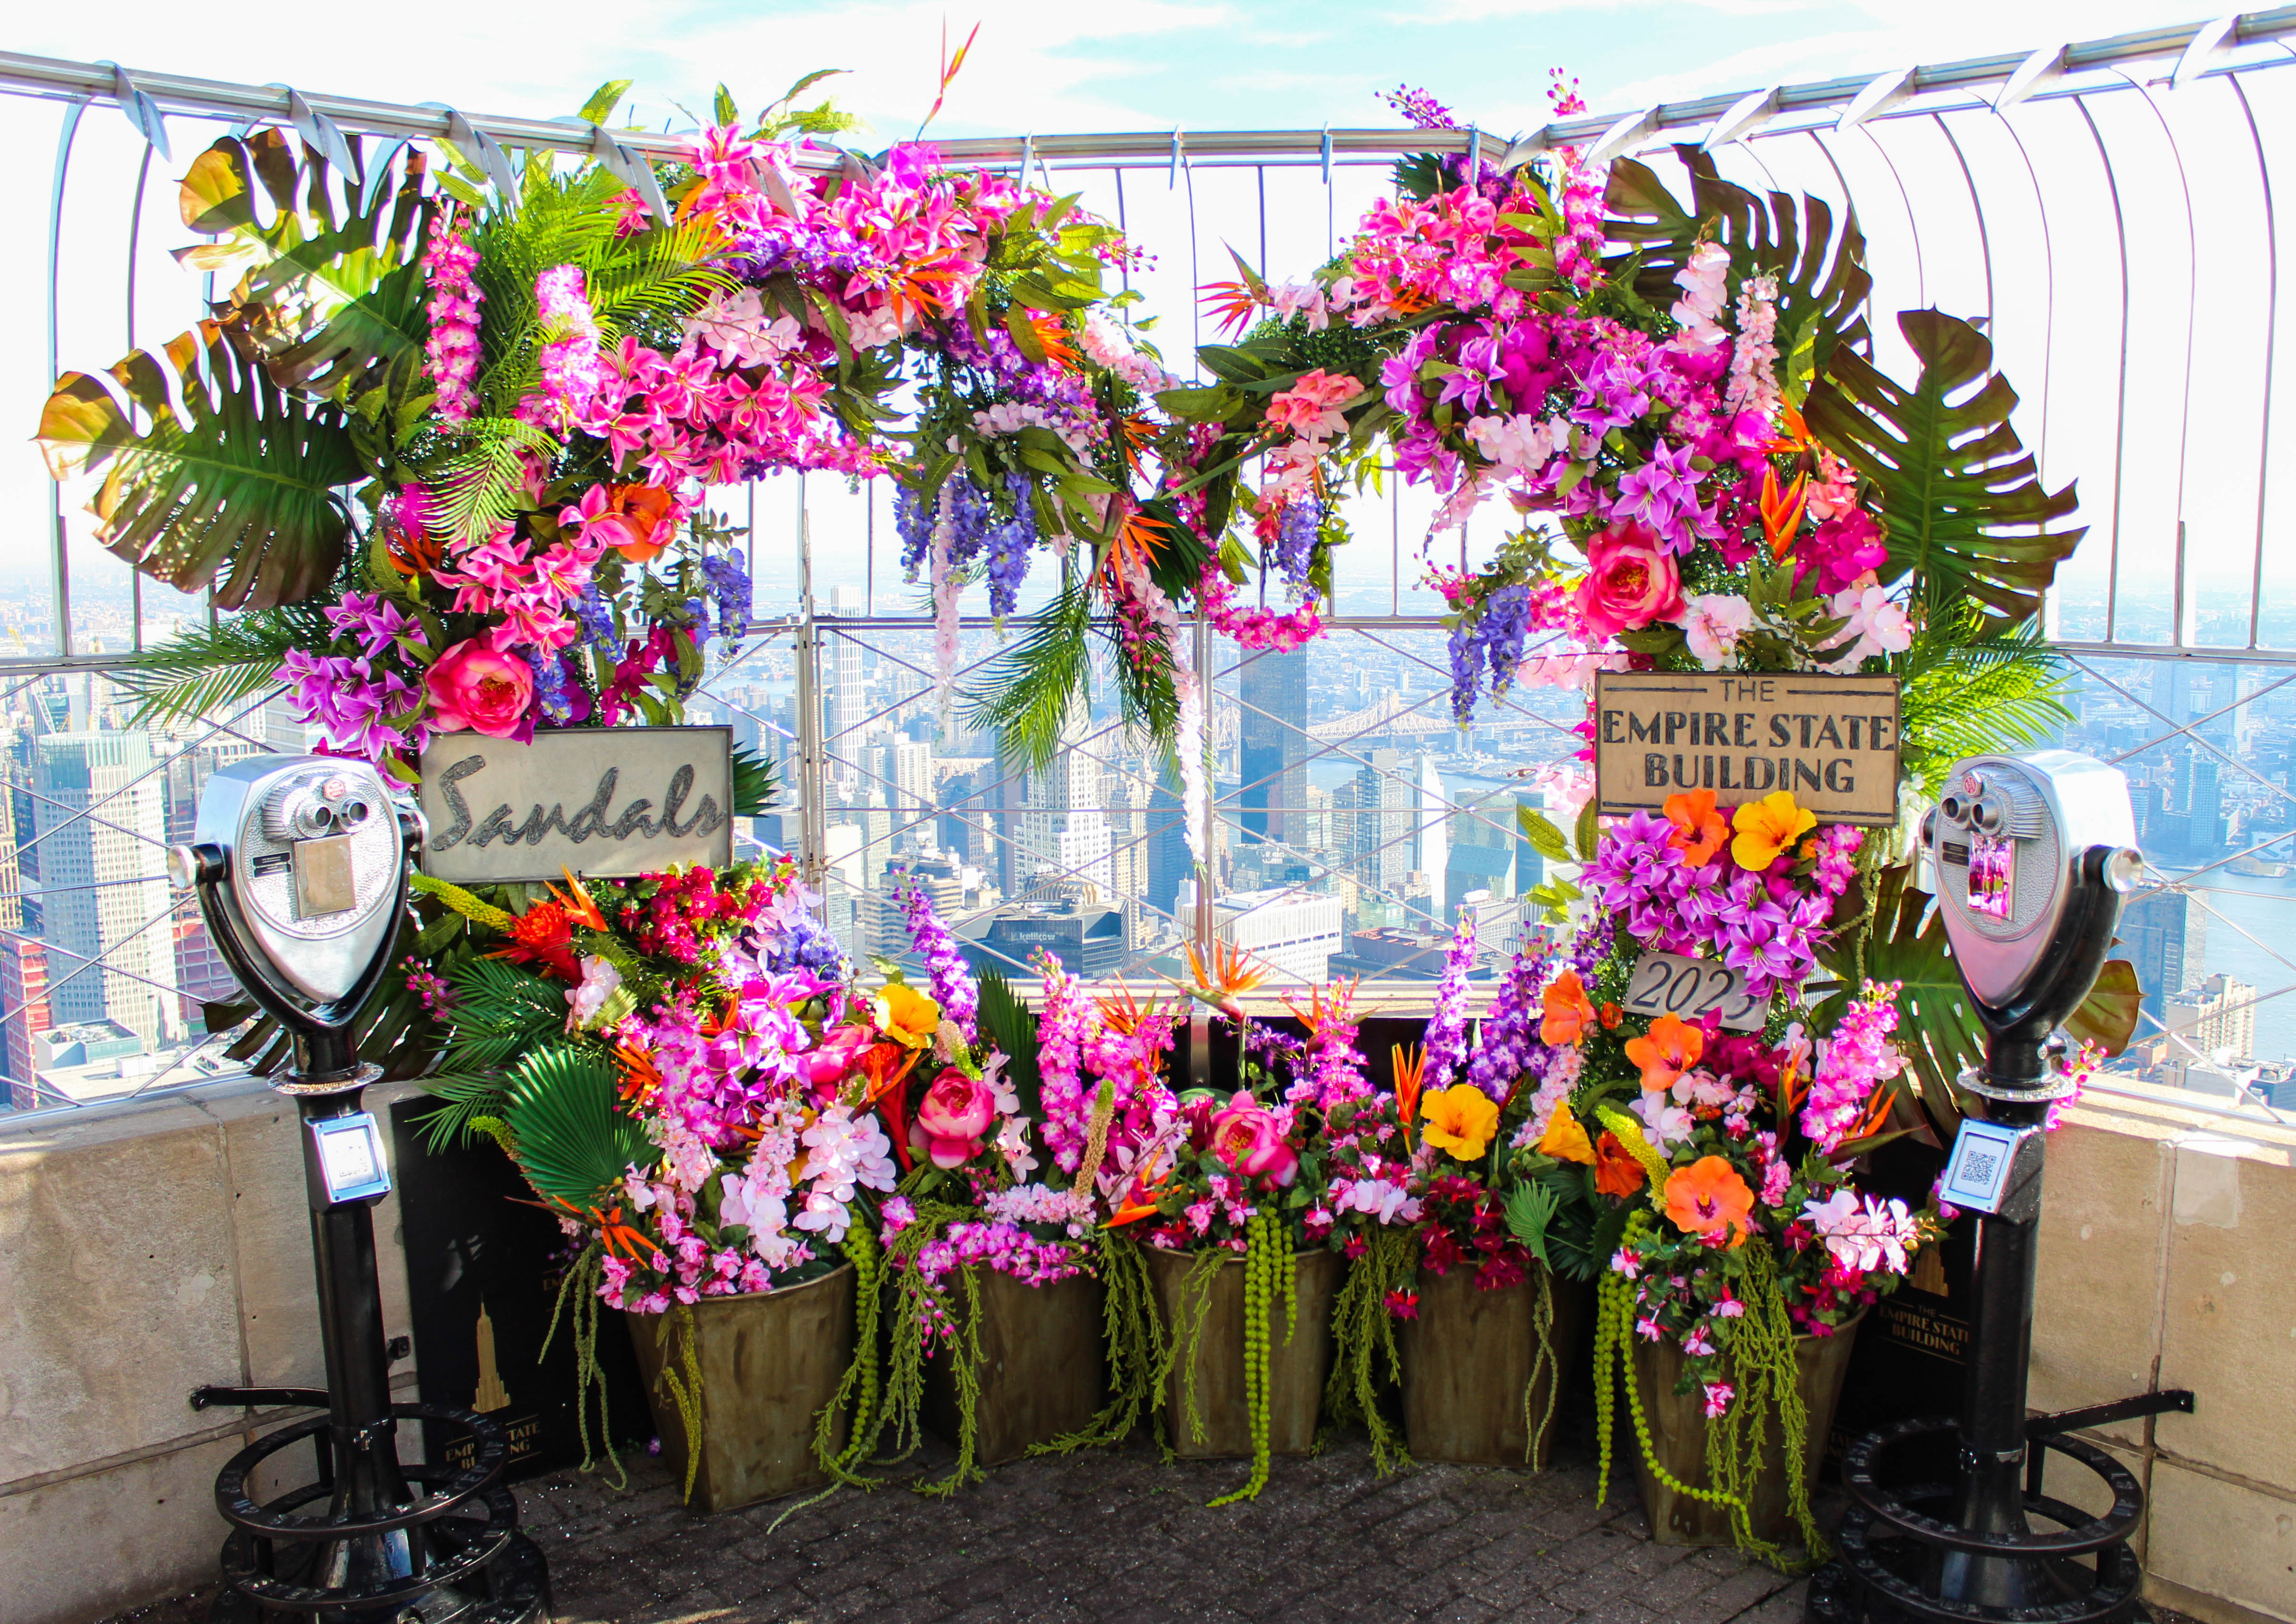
<point x="1977" y="1169"/>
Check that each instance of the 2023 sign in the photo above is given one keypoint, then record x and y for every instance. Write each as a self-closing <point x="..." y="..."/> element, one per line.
<point x="1691" y="988"/>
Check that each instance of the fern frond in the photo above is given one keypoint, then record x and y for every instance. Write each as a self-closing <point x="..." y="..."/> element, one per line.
<point x="478" y="483"/>
<point x="213" y="668"/>
<point x="1033" y="687"/>
<point x="1976" y="697"/>
<point x="462" y="1101"/>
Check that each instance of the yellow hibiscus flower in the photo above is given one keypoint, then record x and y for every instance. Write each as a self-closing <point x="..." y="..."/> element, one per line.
<point x="906" y="1015"/>
<point x="1767" y="829"/>
<point x="1461" y="1119"/>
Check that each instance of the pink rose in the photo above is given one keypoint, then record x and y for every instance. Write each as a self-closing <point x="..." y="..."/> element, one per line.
<point x="836" y="1057"/>
<point x="473" y="686"/>
<point x="1247" y="1137"/>
<point x="954" y="1118"/>
<point x="1631" y="581"/>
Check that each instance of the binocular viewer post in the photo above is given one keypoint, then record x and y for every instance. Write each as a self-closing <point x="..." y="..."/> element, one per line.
<point x="300" y="864"/>
<point x="2031" y="857"/>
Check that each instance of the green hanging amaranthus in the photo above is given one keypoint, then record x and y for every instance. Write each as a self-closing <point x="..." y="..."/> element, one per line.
<point x="581" y="1280"/>
<point x="1362" y="1330"/>
<point x="1762" y="1356"/>
<point x="1270" y="1267"/>
<point x="1132" y="1335"/>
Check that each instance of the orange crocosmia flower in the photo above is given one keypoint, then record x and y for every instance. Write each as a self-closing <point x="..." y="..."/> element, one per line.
<point x="1611" y="1015"/>
<point x="1699" y="831"/>
<point x="1565" y="1140"/>
<point x="1566" y="1010"/>
<point x="1616" y="1170"/>
<point x="1709" y="1196"/>
<point x="1767" y="829"/>
<point x="1670" y="1048"/>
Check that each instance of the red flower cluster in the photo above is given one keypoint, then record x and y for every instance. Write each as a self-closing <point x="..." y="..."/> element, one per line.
<point x="1464" y="1223"/>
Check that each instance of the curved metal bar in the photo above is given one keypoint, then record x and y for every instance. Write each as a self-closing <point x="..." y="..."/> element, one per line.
<point x="2180" y="598"/>
<point x="1849" y="212"/>
<point x="2121" y="409"/>
<point x="2271" y="339"/>
<point x="60" y="562"/>
<point x="1977" y="204"/>
<point x="1913" y="221"/>
<point x="2048" y="298"/>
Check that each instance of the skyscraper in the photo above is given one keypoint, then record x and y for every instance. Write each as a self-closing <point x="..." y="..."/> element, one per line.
<point x="1434" y="815"/>
<point x="102" y="830"/>
<point x="1380" y="837"/>
<point x="1275" y="744"/>
<point x="2165" y="936"/>
<point x="1166" y="837"/>
<point x="1064" y="832"/>
<point x="845" y="697"/>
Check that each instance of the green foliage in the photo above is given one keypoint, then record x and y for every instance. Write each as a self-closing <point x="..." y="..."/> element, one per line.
<point x="1964" y="510"/>
<point x="1032" y="687"/>
<point x="572" y="1139"/>
<point x="1966" y="695"/>
<point x="1820" y="270"/>
<point x="207" y="670"/>
<point x="242" y="493"/>
<point x="2108" y="1016"/>
<point x="1937" y="1029"/>
<point x="756" y="786"/>
<point x="1007" y="1027"/>
<point x="469" y="1104"/>
<point x="501" y="1011"/>
<point x="1545" y="838"/>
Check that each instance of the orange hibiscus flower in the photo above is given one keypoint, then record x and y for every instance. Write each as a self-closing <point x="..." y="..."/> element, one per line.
<point x="1699" y="831"/>
<point x="1671" y="1048"/>
<point x="1616" y="1170"/>
<point x="1707" y="1196"/>
<point x="1568" y="1012"/>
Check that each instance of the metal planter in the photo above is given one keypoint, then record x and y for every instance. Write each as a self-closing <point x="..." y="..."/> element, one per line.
<point x="1677" y="1424"/>
<point x="1467" y="1359"/>
<point x="1043" y="1372"/>
<point x="770" y="1360"/>
<point x="1296" y="1369"/>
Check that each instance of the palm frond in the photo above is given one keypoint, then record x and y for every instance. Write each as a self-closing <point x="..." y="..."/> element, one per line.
<point x="1033" y="687"/>
<point x="479" y="482"/>
<point x="464" y="1100"/>
<point x="573" y="1140"/>
<point x="755" y="783"/>
<point x="1007" y="1025"/>
<point x="1972" y="698"/>
<point x="500" y="1011"/>
<point x="209" y="670"/>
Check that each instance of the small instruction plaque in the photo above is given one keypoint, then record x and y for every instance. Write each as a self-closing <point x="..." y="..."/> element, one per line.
<point x="600" y="800"/>
<point x="1832" y="740"/>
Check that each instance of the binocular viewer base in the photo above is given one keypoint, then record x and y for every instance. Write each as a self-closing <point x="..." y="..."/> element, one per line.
<point x="1905" y="1558"/>
<point x="450" y="1553"/>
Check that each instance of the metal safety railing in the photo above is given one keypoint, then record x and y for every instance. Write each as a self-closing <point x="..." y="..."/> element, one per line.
<point x="2005" y="188"/>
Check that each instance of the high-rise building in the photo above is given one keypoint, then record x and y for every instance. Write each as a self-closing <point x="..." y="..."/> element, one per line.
<point x="2205" y="833"/>
<point x="2165" y="937"/>
<point x="2217" y="1018"/>
<point x="845" y="695"/>
<point x="1433" y="855"/>
<point x="1064" y="832"/>
<point x="200" y="971"/>
<point x="24" y="1013"/>
<point x="1294" y="933"/>
<point x="1165" y="834"/>
<point x="1273" y="733"/>
<point x="102" y="829"/>
<point x="1379" y="836"/>
<point x="1481" y="858"/>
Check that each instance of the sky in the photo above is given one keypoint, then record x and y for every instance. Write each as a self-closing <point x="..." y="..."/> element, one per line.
<point x="1057" y="65"/>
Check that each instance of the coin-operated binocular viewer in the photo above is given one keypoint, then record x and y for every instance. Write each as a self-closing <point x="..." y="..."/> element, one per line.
<point x="2031" y="857"/>
<point x="300" y="864"/>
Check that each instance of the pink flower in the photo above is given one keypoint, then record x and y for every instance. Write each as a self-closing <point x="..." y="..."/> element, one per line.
<point x="954" y="1118"/>
<point x="834" y="1058"/>
<point x="1310" y="407"/>
<point x="1247" y="1138"/>
<point x="1631" y="581"/>
<point x="1718" y="1395"/>
<point x="473" y="686"/>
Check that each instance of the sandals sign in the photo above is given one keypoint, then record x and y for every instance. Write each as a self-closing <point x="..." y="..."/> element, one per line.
<point x="598" y="801"/>
<point x="1830" y="742"/>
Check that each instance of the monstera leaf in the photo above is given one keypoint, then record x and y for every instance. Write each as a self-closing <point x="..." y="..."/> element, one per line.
<point x="1965" y="513"/>
<point x="1821" y="272"/>
<point x="242" y="492"/>
<point x="2107" y="1017"/>
<point x="565" y="1117"/>
<point x="332" y="284"/>
<point x="1937" y="1030"/>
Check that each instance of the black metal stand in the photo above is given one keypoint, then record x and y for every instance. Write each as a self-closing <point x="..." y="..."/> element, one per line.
<point x="371" y="1541"/>
<point x="1965" y="1552"/>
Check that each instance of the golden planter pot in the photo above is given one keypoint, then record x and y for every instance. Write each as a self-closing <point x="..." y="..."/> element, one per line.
<point x="1467" y="1359"/>
<point x="770" y="1361"/>
<point x="1043" y="1372"/>
<point x="1677" y="1426"/>
<point x="1296" y="1369"/>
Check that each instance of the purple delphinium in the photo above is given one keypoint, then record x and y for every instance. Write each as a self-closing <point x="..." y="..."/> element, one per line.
<point x="953" y="986"/>
<point x="1010" y="544"/>
<point x="728" y="576"/>
<point x="1295" y="541"/>
<point x="1447" y="1029"/>
<point x="597" y="619"/>
<point x="1509" y="1044"/>
<point x="1493" y="643"/>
